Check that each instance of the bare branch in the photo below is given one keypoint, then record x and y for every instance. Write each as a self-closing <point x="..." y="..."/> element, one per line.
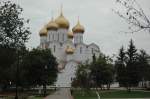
<point x="133" y="15"/>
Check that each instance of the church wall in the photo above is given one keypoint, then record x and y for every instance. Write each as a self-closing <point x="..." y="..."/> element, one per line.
<point x="67" y="43"/>
<point x="43" y="39"/>
<point x="81" y="53"/>
<point x="57" y="51"/>
<point x="93" y="49"/>
<point x="62" y="33"/>
<point x="78" y="38"/>
<point x="52" y="36"/>
<point x="49" y="36"/>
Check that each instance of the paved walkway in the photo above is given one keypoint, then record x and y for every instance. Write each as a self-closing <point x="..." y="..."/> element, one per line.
<point x="63" y="93"/>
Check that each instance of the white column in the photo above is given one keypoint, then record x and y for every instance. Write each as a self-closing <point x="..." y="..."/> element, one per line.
<point x="49" y="36"/>
<point x="55" y="35"/>
<point x="78" y="38"/>
<point x="43" y="40"/>
<point x="62" y="35"/>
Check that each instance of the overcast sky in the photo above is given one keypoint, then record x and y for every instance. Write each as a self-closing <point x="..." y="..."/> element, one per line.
<point x="102" y="25"/>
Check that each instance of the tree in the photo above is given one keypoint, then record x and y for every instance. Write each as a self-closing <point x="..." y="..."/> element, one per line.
<point x="108" y="75"/>
<point x="120" y="66"/>
<point x="40" y="68"/>
<point x="82" y="79"/>
<point x="102" y="72"/>
<point x="7" y="57"/>
<point x="132" y="67"/>
<point x="13" y="33"/>
<point x="96" y="74"/>
<point x="13" y="36"/>
<point x="134" y="15"/>
<point x="144" y="66"/>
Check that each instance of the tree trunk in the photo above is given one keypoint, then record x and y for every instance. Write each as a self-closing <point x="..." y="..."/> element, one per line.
<point x="129" y="88"/>
<point x="44" y="90"/>
<point x="108" y="86"/>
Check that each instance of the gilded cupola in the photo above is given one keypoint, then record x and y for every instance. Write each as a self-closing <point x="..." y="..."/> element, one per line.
<point x="52" y="25"/>
<point x="78" y="28"/>
<point x="62" y="21"/>
<point x="70" y="34"/>
<point x="43" y="31"/>
<point x="69" y="50"/>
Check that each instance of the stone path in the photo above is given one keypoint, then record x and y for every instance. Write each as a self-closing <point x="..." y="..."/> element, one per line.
<point x="63" y="93"/>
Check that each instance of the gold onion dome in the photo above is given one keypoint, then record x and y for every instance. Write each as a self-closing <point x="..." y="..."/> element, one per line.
<point x="62" y="21"/>
<point x="78" y="28"/>
<point x="43" y="31"/>
<point x="69" y="50"/>
<point x="52" y="25"/>
<point x="70" y="34"/>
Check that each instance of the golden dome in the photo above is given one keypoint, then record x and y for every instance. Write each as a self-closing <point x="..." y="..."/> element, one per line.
<point x="70" y="34"/>
<point x="62" y="21"/>
<point x="78" y="28"/>
<point x="52" y="25"/>
<point x="43" y="31"/>
<point x="69" y="50"/>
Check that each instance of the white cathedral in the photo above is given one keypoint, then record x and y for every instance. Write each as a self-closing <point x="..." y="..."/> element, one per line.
<point x="67" y="46"/>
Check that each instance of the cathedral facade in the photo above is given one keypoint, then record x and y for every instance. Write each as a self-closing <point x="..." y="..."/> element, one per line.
<point x="67" y="46"/>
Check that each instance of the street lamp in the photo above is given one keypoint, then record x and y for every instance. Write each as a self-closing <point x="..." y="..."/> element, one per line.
<point x="17" y="76"/>
<point x="45" y="79"/>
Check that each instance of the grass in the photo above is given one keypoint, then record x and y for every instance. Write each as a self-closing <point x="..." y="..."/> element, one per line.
<point x="35" y="97"/>
<point x="125" y="94"/>
<point x="112" y="94"/>
<point x="78" y="94"/>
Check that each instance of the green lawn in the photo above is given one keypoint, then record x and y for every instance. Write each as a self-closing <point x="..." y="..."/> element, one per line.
<point x="125" y="94"/>
<point x="112" y="94"/>
<point x="35" y="97"/>
<point x="79" y="95"/>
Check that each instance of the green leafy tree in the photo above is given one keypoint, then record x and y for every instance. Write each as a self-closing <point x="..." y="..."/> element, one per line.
<point x="108" y="75"/>
<point x="13" y="36"/>
<point x="13" y="33"/>
<point x="7" y="57"/>
<point x="102" y="72"/>
<point x="40" y="68"/>
<point x="82" y="79"/>
<point x="120" y="67"/>
<point x="96" y="74"/>
<point x="144" y="66"/>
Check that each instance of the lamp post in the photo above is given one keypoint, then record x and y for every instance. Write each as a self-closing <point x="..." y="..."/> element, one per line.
<point x="17" y="75"/>
<point x="45" y="79"/>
